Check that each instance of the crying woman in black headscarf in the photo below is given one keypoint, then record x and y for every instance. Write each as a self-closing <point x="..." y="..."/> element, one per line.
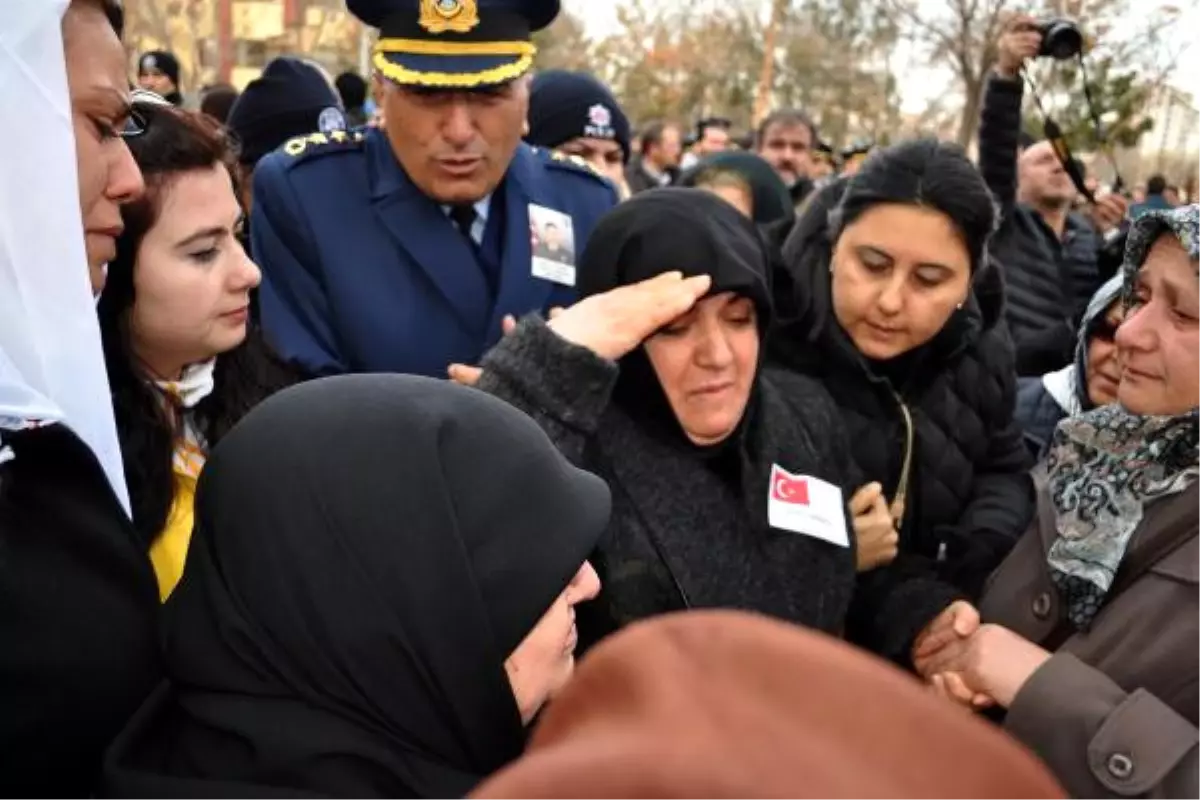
<point x="726" y="479"/>
<point x="379" y="596"/>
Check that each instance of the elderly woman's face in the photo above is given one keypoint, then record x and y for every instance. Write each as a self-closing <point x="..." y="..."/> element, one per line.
<point x="899" y="272"/>
<point x="99" y="91"/>
<point x="1159" y="342"/>
<point x="1103" y="365"/>
<point x="705" y="362"/>
<point x="544" y="661"/>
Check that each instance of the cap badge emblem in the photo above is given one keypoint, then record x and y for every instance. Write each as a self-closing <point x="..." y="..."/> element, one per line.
<point x="330" y="120"/>
<point x="599" y="116"/>
<point x="454" y="16"/>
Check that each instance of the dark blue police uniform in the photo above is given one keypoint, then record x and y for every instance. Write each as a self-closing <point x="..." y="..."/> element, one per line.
<point x="362" y="272"/>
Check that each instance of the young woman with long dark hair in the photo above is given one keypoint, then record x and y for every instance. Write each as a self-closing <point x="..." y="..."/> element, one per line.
<point x="183" y="363"/>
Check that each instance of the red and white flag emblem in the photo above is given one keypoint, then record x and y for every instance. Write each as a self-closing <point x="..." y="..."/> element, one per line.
<point x="788" y="489"/>
<point x="807" y="505"/>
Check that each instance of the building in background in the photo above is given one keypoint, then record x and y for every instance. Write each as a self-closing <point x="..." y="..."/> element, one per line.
<point x="232" y="40"/>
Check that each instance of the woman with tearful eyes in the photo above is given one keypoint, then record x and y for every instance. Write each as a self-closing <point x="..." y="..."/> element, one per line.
<point x="726" y="477"/>
<point x="896" y="308"/>
<point x="182" y="363"/>
<point x="1090" y="641"/>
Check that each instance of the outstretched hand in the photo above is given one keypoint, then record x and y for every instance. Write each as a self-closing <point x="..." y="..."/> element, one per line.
<point x="959" y="621"/>
<point x="469" y="376"/>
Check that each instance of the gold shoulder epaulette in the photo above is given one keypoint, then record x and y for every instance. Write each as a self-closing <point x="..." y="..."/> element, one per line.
<point x="313" y="143"/>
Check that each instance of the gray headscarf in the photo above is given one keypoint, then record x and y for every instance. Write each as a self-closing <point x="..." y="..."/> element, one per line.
<point x="1069" y="385"/>
<point x="1107" y="465"/>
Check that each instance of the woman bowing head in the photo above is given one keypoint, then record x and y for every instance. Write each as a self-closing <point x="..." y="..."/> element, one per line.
<point x="379" y="597"/>
<point x="655" y="382"/>
<point x="893" y="304"/>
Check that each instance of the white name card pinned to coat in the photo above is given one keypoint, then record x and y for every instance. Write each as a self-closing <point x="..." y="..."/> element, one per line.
<point x="806" y="505"/>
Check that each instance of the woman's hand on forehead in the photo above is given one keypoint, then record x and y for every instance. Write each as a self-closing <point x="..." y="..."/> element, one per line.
<point x="616" y="322"/>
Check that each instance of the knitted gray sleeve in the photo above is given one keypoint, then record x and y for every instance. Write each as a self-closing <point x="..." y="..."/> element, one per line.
<point x="563" y="387"/>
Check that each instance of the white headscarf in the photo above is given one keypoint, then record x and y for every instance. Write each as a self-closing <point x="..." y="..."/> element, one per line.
<point x="51" y="363"/>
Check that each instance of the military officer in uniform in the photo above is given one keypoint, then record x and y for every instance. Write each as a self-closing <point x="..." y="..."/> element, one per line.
<point x="403" y="249"/>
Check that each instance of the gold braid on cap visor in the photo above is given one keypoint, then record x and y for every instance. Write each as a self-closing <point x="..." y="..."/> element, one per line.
<point x="419" y="47"/>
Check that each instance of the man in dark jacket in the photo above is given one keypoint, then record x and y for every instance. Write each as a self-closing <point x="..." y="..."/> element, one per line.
<point x="1156" y="197"/>
<point x="787" y="140"/>
<point x="1049" y="253"/>
<point x="658" y="163"/>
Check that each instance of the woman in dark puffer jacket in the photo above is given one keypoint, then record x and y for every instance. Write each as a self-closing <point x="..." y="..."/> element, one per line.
<point x="888" y="298"/>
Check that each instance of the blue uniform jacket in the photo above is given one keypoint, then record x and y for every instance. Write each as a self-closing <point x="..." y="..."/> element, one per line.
<point x="364" y="273"/>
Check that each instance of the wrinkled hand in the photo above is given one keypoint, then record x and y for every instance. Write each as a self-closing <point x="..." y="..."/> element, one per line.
<point x="875" y="533"/>
<point x="616" y="322"/>
<point x="469" y="376"/>
<point x="956" y="623"/>
<point x="1109" y="212"/>
<point x="1019" y="42"/>
<point x="993" y="663"/>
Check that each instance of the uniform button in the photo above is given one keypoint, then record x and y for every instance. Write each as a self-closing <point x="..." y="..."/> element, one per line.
<point x="1041" y="605"/>
<point x="1120" y="766"/>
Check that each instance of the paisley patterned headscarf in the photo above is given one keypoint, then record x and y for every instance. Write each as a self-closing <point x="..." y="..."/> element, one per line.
<point x="1107" y="465"/>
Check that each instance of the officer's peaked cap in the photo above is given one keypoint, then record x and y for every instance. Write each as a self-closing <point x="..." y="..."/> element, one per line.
<point x="454" y="44"/>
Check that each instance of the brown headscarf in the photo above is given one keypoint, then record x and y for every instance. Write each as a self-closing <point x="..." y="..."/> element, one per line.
<point x="727" y="704"/>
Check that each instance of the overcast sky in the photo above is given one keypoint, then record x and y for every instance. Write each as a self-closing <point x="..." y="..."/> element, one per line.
<point x="923" y="85"/>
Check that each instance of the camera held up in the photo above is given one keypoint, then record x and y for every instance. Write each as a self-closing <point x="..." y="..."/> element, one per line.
<point x="1061" y="39"/>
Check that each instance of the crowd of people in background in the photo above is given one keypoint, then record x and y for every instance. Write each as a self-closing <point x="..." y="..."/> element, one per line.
<point x="349" y="411"/>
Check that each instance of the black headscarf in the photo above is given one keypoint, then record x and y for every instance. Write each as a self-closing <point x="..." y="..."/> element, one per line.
<point x="683" y="230"/>
<point x="368" y="551"/>
<point x="769" y="194"/>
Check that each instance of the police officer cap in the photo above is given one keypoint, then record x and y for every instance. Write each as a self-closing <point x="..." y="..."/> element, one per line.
<point x="567" y="105"/>
<point x="454" y="44"/>
<point x="290" y="98"/>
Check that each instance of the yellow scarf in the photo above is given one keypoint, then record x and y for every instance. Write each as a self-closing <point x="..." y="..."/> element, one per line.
<point x="168" y="554"/>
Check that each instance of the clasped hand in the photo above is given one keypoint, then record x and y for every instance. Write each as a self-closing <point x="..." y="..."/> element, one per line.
<point x="875" y="535"/>
<point x="973" y="664"/>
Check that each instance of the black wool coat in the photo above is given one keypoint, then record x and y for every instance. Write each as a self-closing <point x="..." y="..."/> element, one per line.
<point x="685" y="533"/>
<point x="78" y="616"/>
